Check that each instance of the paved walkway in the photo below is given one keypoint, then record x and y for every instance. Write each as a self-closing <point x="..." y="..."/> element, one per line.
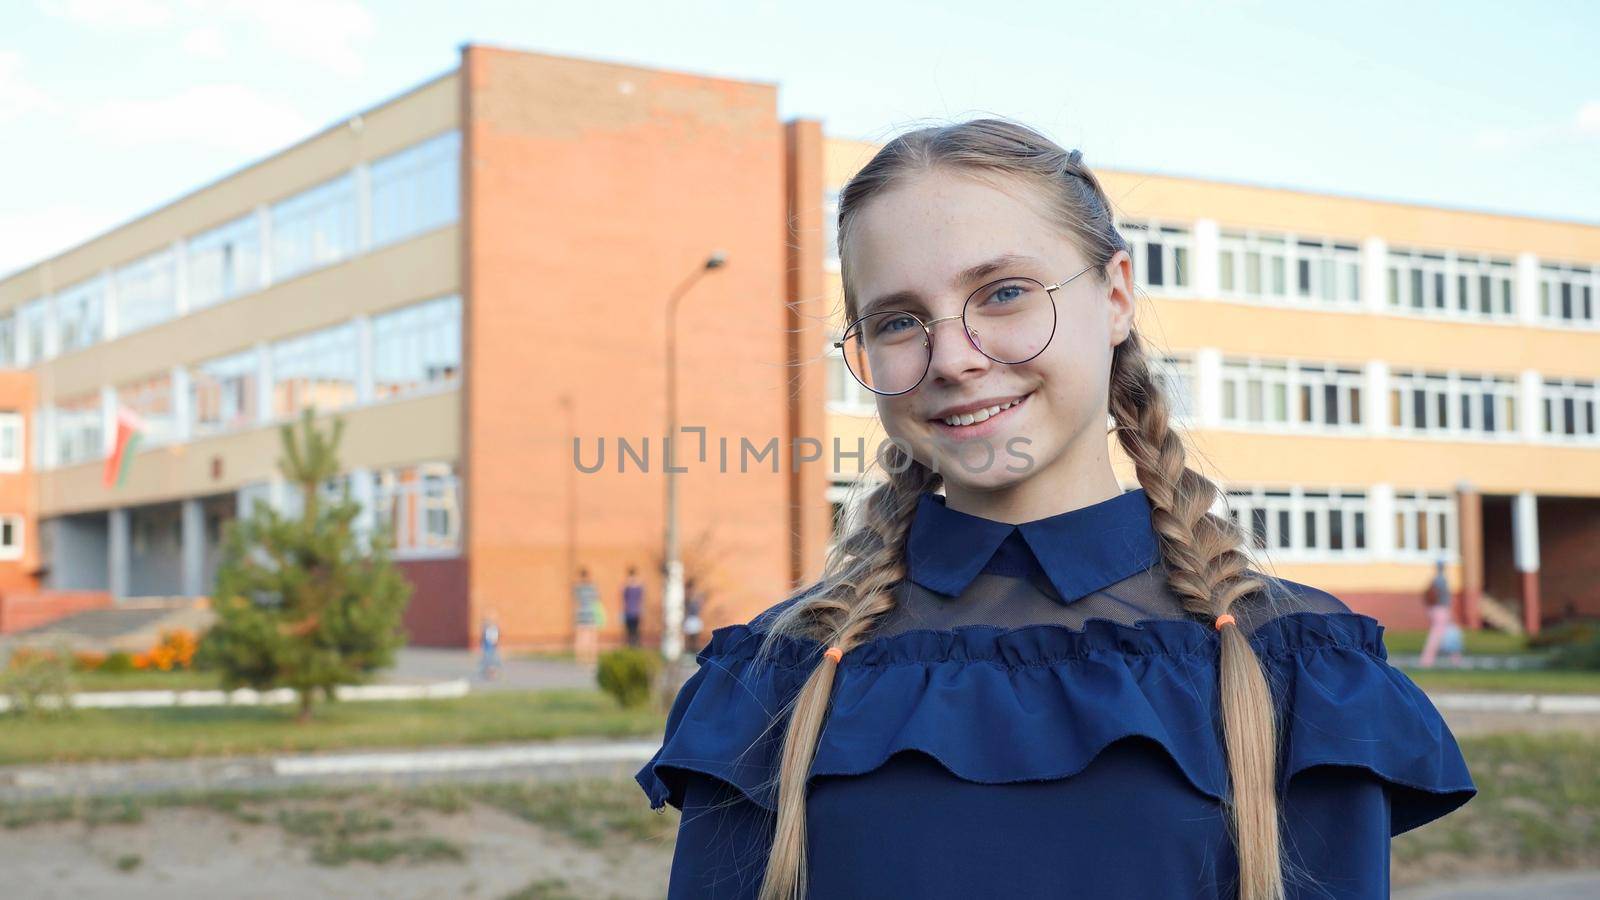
<point x="1579" y="885"/>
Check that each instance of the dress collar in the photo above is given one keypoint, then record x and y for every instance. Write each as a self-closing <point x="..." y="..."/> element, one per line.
<point x="1081" y="550"/>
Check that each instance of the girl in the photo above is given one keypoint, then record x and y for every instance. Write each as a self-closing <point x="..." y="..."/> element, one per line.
<point x="1014" y="678"/>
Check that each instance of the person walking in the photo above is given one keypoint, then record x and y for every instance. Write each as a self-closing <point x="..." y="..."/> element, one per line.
<point x="1441" y="618"/>
<point x="693" y="602"/>
<point x="489" y="665"/>
<point x="632" y="604"/>
<point x="590" y="616"/>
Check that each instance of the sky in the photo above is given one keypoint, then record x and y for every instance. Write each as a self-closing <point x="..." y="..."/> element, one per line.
<point x="112" y="108"/>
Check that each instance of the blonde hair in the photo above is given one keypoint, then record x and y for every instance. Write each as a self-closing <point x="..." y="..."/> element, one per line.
<point x="1207" y="564"/>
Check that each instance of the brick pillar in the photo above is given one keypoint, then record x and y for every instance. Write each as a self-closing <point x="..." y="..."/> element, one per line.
<point x="1469" y="522"/>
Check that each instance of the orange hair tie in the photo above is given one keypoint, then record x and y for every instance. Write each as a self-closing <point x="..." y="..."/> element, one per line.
<point x="1224" y="619"/>
<point x="833" y="653"/>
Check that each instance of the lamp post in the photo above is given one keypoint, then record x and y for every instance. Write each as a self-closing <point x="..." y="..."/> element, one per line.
<point x="672" y="595"/>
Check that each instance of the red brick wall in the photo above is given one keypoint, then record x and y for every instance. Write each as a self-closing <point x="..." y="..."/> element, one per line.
<point x="20" y="611"/>
<point x="592" y="191"/>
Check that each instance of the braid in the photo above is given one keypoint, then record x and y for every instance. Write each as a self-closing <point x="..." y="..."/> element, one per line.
<point x="1207" y="570"/>
<point x="855" y="591"/>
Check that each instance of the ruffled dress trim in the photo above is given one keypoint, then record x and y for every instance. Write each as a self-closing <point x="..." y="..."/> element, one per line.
<point x="1041" y="702"/>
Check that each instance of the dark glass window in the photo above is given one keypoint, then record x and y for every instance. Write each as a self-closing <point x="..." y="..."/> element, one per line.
<point x="1152" y="256"/>
<point x="1335" y="530"/>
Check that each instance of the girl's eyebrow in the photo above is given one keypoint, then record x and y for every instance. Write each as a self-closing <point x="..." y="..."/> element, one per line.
<point x="965" y="277"/>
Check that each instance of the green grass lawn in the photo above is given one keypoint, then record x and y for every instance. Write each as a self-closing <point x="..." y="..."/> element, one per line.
<point x="103" y="734"/>
<point x="1488" y="643"/>
<point x="1533" y="681"/>
<point x="145" y="681"/>
<point x="1537" y="807"/>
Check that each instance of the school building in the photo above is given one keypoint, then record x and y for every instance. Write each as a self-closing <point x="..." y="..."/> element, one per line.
<point x="476" y="276"/>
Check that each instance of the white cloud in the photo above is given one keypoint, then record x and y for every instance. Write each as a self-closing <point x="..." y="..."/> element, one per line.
<point x="111" y="13"/>
<point x="204" y="43"/>
<point x="231" y="117"/>
<point x="333" y="34"/>
<point x="1582" y="126"/>
<point x="28" y="236"/>
<point x="18" y="96"/>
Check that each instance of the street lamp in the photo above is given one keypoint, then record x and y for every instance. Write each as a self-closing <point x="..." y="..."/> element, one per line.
<point x="672" y="596"/>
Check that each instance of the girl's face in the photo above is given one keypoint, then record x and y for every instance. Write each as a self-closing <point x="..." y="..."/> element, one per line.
<point x="918" y="238"/>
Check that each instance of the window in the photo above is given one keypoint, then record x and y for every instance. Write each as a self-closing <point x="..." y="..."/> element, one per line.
<point x="1301" y="524"/>
<point x="314" y="228"/>
<point x="1255" y="392"/>
<point x="81" y="314"/>
<point x="415" y="190"/>
<point x="1452" y="403"/>
<point x="8" y="340"/>
<point x="1175" y="375"/>
<point x="1251" y="264"/>
<point x="10" y="537"/>
<point x="1570" y="408"/>
<point x="1424" y="525"/>
<point x="78" y="430"/>
<point x="845" y="393"/>
<point x="146" y="292"/>
<point x="420" y="506"/>
<point x="224" y="392"/>
<point x="1448" y="283"/>
<point x="830" y="228"/>
<point x="1567" y="294"/>
<point x="33" y="324"/>
<point x="11" y="441"/>
<point x="317" y="369"/>
<point x="416" y="347"/>
<point x="151" y="400"/>
<point x="225" y="261"/>
<point x="1160" y="254"/>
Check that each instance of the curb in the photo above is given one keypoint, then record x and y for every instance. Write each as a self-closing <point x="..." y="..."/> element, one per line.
<point x="459" y="687"/>
<point x="1557" y="704"/>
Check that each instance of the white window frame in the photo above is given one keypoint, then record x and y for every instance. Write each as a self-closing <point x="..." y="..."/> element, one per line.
<point x="1584" y="396"/>
<point x="1177" y="254"/>
<point x="1440" y="511"/>
<point x="13" y="433"/>
<point x="1581" y="282"/>
<point x="1291" y="506"/>
<point x="1453" y="386"/>
<point x="846" y="395"/>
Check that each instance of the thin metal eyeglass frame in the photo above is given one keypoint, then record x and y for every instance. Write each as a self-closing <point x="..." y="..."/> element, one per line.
<point x="927" y="327"/>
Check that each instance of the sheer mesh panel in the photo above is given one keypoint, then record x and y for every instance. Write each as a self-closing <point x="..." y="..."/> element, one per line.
<point x="1006" y="601"/>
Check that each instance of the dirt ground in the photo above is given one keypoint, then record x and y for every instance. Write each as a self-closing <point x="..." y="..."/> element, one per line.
<point x="199" y="852"/>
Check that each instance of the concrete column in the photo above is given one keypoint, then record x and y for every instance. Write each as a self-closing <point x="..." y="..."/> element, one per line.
<point x="108" y="418"/>
<point x="193" y="527"/>
<point x="1469" y="538"/>
<point x="180" y="277"/>
<point x="364" y="357"/>
<point x="1208" y="387"/>
<point x="1525" y="541"/>
<point x="1530" y="405"/>
<point x="264" y="220"/>
<point x="182" y="401"/>
<point x="117" y="551"/>
<point x="1527" y="299"/>
<point x="1207" y="238"/>
<point x="363" y="490"/>
<point x="109" y="324"/>
<point x="263" y="383"/>
<point x="1375" y="274"/>
<point x="1381" y="539"/>
<point x="363" y="180"/>
<point x="1375" y="396"/>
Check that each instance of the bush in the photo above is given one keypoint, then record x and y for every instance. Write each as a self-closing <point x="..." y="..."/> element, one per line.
<point x="1577" y="632"/>
<point x="1576" y="655"/>
<point x="36" y="681"/>
<point x="118" y="662"/>
<point x="87" y="661"/>
<point x="628" y="673"/>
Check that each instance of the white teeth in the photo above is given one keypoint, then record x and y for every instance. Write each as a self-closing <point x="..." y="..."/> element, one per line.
<point x="980" y="415"/>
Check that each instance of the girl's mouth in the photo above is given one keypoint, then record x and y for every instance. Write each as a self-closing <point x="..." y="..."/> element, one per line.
<point x="980" y="423"/>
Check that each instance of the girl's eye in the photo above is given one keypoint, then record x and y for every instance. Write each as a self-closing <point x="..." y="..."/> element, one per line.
<point x="893" y="325"/>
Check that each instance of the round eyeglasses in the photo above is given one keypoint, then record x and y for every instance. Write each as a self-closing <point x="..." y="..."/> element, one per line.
<point x="1010" y="321"/>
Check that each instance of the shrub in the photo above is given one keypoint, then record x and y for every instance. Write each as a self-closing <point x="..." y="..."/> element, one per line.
<point x="627" y="674"/>
<point x="117" y="662"/>
<point x="87" y="661"/>
<point x="36" y="681"/>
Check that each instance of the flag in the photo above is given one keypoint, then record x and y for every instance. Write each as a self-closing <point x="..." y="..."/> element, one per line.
<point x="128" y="430"/>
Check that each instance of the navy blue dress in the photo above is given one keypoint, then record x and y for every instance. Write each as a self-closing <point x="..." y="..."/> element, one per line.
<point x="1038" y="718"/>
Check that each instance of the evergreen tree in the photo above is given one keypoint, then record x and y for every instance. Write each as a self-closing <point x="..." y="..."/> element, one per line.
<point x="299" y="603"/>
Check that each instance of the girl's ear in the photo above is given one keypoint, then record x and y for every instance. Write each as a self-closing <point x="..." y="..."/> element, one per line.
<point x="1119" y="284"/>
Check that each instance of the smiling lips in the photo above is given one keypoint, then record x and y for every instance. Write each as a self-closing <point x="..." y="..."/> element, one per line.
<point x="979" y="415"/>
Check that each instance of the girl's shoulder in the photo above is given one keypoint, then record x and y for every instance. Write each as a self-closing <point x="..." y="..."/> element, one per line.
<point x="1073" y="692"/>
